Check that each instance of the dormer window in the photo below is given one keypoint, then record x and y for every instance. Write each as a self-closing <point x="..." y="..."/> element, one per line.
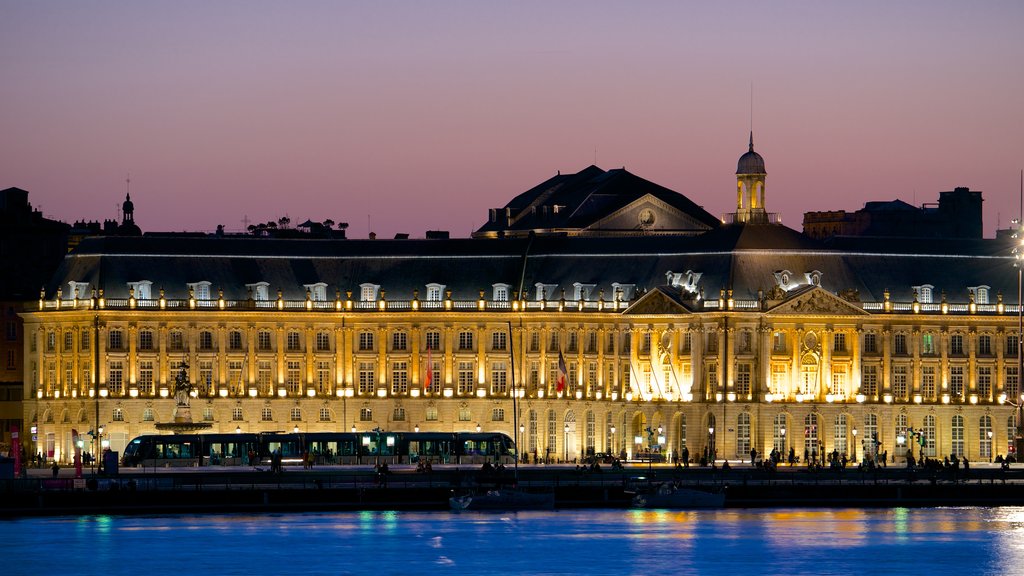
<point x="980" y="294"/>
<point x="143" y="289"/>
<point x="368" y="292"/>
<point x="317" y="292"/>
<point x="784" y="279"/>
<point x="260" y="291"/>
<point x="582" y="291"/>
<point x="200" y="290"/>
<point x="79" y="290"/>
<point x="813" y="278"/>
<point x="500" y="293"/>
<point x="924" y="293"/>
<point x="623" y="292"/>
<point x="434" y="292"/>
<point x="545" y="291"/>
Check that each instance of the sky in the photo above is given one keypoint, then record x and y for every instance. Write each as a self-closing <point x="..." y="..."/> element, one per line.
<point x="402" y="117"/>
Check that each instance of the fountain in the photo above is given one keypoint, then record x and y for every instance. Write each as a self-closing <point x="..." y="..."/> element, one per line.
<point x="182" y="411"/>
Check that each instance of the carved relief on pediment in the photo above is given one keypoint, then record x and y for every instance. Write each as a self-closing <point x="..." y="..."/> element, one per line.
<point x="817" y="302"/>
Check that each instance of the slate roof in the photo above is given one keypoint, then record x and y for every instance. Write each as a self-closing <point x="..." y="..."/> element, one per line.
<point x="742" y="257"/>
<point x="583" y="199"/>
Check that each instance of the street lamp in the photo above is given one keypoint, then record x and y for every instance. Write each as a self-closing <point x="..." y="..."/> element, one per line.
<point x="519" y="446"/>
<point x="711" y="444"/>
<point x="566" y="441"/>
<point x="855" y="445"/>
<point x="782" y="432"/>
<point x="989" y="445"/>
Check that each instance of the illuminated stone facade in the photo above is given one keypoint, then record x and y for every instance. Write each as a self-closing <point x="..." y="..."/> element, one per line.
<point x="748" y="336"/>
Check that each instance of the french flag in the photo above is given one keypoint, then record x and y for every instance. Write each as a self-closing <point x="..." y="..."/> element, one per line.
<point x="562" y="372"/>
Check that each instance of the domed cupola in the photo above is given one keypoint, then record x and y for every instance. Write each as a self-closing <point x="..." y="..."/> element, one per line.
<point x="750" y="177"/>
<point x="128" y="208"/>
<point x="751" y="162"/>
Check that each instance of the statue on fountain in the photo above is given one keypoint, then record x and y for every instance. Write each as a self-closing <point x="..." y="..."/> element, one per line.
<point x="182" y="412"/>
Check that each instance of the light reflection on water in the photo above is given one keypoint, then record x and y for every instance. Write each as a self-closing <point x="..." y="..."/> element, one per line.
<point x="932" y="541"/>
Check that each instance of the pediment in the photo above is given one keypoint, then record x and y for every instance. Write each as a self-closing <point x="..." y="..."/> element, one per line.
<point x="657" y="301"/>
<point x="816" y="302"/>
<point x="647" y="213"/>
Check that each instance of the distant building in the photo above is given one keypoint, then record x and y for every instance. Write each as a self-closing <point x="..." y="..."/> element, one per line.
<point x="957" y="215"/>
<point x="31" y="248"/>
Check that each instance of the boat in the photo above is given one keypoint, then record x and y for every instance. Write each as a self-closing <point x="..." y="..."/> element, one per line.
<point x="504" y="500"/>
<point x="667" y="495"/>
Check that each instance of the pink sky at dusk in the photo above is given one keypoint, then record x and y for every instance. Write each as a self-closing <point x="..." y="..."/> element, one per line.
<point x="422" y="115"/>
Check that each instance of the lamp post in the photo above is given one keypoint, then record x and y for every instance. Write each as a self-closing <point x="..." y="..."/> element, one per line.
<point x="1018" y="252"/>
<point x="855" y="445"/>
<point x="989" y="445"/>
<point x="612" y="445"/>
<point x="519" y="446"/>
<point x="566" y="442"/>
<point x="782" y="432"/>
<point x="711" y="444"/>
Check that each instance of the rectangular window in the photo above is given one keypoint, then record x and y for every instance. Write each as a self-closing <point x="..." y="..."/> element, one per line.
<point x="206" y="341"/>
<point x="465" y="415"/>
<point x="870" y="343"/>
<point x="176" y="341"/>
<point x="115" y="378"/>
<point x="743" y="380"/>
<point x="927" y="343"/>
<point x="365" y="415"/>
<point x="869" y="381"/>
<point x="294" y="342"/>
<point x="293" y="377"/>
<point x="535" y="342"/>
<point x="745" y="340"/>
<point x="591" y="342"/>
<point x="235" y="382"/>
<point x="465" y="378"/>
<point x="839" y="342"/>
<point x="498" y="340"/>
<point x="264" y="377"/>
<point x="497" y="414"/>
<point x="367" y="383"/>
<point x="956" y="345"/>
<point x="263" y="341"/>
<point x="234" y="340"/>
<point x="1011" y="382"/>
<point x="236" y="414"/>
<point x="399" y="377"/>
<point x="433" y="339"/>
<point x="115" y="340"/>
<point x="86" y="340"/>
<point x="399" y="341"/>
<point x="266" y="415"/>
<point x="146" y="377"/>
<point x="899" y="381"/>
<point x="928" y="381"/>
<point x="778" y="342"/>
<point x="323" y="377"/>
<point x="573" y="343"/>
<point x="205" y="377"/>
<point x="398" y="414"/>
<point x="465" y="340"/>
<point x="499" y="378"/>
<point x="366" y="341"/>
<point x="956" y="380"/>
<point x="323" y="341"/>
<point x="68" y="340"/>
<point x="839" y="381"/>
<point x="985" y="381"/>
<point x="899" y="344"/>
<point x="1012" y="343"/>
<point x="984" y="345"/>
<point x="431" y="414"/>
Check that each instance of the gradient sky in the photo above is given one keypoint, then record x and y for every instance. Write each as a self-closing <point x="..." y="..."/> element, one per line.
<point x="415" y="116"/>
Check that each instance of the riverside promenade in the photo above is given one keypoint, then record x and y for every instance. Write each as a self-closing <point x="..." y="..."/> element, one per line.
<point x="332" y="488"/>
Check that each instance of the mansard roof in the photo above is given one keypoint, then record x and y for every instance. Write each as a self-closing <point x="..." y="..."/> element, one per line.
<point x="747" y="259"/>
<point x="576" y="202"/>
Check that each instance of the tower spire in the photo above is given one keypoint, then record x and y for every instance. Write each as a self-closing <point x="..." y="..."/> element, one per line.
<point x="751" y="141"/>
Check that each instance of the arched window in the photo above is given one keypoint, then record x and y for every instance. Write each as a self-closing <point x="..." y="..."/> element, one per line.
<point x="985" y="437"/>
<point x="779" y="434"/>
<point x="840" y="437"/>
<point x="812" y="445"/>
<point x="929" y="432"/>
<point x="682" y="431"/>
<point x="956" y="432"/>
<point x="743" y="435"/>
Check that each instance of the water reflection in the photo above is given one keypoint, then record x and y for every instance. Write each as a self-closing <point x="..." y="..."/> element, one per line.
<point x="786" y="542"/>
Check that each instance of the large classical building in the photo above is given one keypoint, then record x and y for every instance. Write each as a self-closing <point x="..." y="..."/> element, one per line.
<point x="677" y="330"/>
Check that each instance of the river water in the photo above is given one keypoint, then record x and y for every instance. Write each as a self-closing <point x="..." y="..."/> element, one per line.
<point x="932" y="541"/>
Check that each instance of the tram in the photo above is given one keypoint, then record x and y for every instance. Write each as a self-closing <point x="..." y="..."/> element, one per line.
<point x="323" y="448"/>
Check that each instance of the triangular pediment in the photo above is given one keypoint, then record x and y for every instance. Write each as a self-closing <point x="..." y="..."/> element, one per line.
<point x="657" y="301"/>
<point x="647" y="213"/>
<point x="816" y="302"/>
